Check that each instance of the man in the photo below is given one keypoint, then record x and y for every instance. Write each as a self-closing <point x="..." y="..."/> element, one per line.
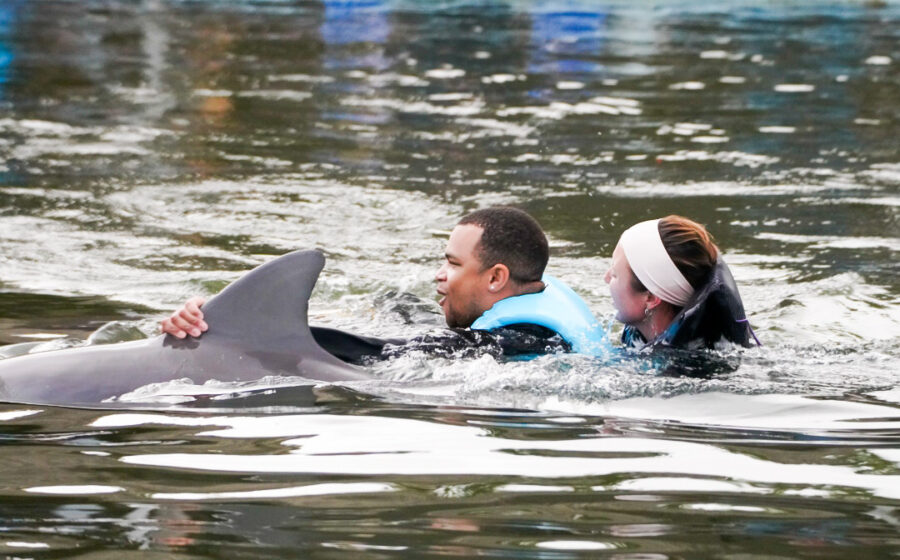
<point x="494" y="295"/>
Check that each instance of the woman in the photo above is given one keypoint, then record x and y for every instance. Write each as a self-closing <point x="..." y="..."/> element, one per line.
<point x="671" y="288"/>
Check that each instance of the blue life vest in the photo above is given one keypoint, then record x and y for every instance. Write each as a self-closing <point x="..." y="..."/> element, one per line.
<point x="557" y="308"/>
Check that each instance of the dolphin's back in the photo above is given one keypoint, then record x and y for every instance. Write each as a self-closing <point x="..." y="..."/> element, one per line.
<point x="258" y="327"/>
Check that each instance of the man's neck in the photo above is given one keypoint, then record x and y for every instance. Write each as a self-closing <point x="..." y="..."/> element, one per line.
<point x="527" y="288"/>
<point x="511" y="290"/>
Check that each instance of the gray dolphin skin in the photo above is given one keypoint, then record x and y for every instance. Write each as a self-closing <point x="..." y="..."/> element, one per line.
<point x="258" y="327"/>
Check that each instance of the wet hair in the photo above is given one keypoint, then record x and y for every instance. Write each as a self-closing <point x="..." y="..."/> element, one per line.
<point x="511" y="237"/>
<point x="690" y="247"/>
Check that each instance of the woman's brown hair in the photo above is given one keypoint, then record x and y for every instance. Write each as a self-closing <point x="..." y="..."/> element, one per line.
<point x="690" y="247"/>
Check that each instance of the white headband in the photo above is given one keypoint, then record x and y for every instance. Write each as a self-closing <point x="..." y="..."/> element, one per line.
<point x="652" y="265"/>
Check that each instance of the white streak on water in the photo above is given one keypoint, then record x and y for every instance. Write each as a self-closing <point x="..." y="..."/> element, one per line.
<point x="688" y="86"/>
<point x="892" y="395"/>
<point x="878" y="60"/>
<point x="300" y="78"/>
<point x="710" y="139"/>
<point x="24" y="544"/>
<point x="722" y="55"/>
<point x="277" y="94"/>
<point x="777" y="129"/>
<point x="727" y="507"/>
<point x="834" y="242"/>
<point x="740" y="159"/>
<point x="533" y="488"/>
<point x="795" y="88"/>
<point x="684" y="484"/>
<point x="13" y="414"/>
<point x="75" y="490"/>
<point x="892" y="455"/>
<point x="886" y="172"/>
<point x="767" y="412"/>
<point x="213" y="93"/>
<point x="473" y="107"/>
<point x="616" y="101"/>
<point x="711" y="188"/>
<point x="403" y="80"/>
<point x="501" y="78"/>
<point x="445" y="73"/>
<point x="449" y="96"/>
<point x="576" y="545"/>
<point x="291" y="492"/>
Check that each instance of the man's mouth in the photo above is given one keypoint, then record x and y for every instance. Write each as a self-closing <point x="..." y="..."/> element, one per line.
<point x="443" y="298"/>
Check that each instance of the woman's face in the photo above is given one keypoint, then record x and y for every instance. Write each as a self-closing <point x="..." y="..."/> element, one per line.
<point x="629" y="303"/>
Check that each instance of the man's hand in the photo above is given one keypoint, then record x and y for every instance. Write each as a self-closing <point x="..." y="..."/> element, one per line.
<point x="186" y="321"/>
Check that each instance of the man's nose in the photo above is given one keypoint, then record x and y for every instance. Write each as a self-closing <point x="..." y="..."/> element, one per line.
<point x="441" y="274"/>
<point x="606" y="276"/>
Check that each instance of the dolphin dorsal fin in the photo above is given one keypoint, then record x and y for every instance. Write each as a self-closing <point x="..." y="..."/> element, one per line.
<point x="267" y="307"/>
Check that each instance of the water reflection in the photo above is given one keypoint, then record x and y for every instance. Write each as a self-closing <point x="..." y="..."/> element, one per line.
<point x="662" y="57"/>
<point x="782" y="495"/>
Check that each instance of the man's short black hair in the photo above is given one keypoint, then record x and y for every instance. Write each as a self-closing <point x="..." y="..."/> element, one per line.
<point x="511" y="237"/>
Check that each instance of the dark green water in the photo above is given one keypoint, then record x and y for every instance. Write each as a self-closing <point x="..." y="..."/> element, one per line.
<point x="155" y="150"/>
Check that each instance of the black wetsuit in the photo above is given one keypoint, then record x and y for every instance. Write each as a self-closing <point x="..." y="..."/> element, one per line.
<point x="511" y="341"/>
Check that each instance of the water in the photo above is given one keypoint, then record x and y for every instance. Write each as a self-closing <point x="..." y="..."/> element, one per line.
<point x="155" y="150"/>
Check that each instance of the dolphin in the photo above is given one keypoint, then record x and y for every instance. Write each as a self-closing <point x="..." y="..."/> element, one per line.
<point x="258" y="327"/>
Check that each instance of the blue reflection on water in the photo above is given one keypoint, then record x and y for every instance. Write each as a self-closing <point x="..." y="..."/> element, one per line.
<point x="564" y="37"/>
<point x="7" y="23"/>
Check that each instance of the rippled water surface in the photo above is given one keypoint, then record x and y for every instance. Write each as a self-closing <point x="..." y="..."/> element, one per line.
<point x="158" y="149"/>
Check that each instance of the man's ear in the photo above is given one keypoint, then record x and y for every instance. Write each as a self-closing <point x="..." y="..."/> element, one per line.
<point x="498" y="277"/>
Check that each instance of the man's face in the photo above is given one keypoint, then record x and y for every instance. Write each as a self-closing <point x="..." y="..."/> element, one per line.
<point x="461" y="281"/>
